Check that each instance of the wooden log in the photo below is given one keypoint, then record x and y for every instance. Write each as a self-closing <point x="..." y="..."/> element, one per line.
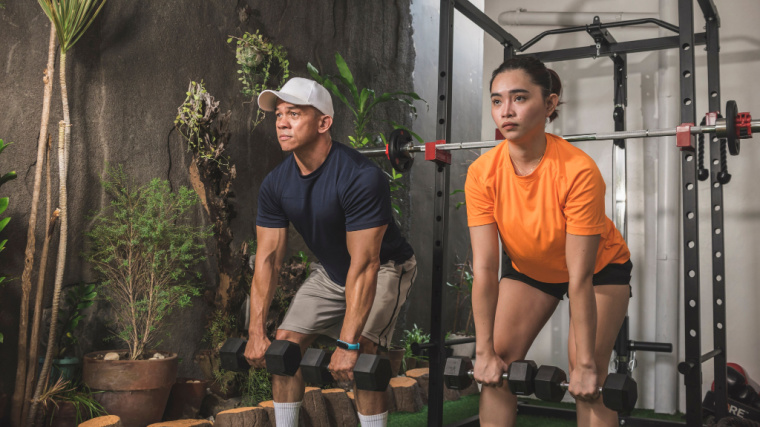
<point x="340" y="410"/>
<point x="422" y="376"/>
<point x="407" y="394"/>
<point x="244" y="417"/>
<point x="104" y="421"/>
<point x="269" y="408"/>
<point x="183" y="423"/>
<point x="314" y="409"/>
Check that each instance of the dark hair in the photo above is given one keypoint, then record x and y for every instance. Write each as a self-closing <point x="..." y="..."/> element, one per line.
<point x="544" y="77"/>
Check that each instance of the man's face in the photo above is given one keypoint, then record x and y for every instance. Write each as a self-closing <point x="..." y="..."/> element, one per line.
<point x="298" y="126"/>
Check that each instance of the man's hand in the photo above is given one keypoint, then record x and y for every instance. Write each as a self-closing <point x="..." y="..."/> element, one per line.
<point x="255" y="350"/>
<point x="342" y="364"/>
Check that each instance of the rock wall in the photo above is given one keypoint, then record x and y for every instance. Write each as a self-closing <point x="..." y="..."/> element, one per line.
<point x="126" y="77"/>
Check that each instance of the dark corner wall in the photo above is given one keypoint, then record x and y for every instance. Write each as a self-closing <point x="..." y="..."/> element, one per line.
<point x="126" y="78"/>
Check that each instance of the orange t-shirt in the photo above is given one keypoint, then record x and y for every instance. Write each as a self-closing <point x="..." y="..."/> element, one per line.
<point x="533" y="213"/>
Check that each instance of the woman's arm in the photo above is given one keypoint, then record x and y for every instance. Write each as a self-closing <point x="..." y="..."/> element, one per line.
<point x="580" y="252"/>
<point x="485" y="295"/>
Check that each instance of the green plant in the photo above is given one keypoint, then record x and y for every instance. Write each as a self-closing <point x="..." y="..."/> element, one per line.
<point x="262" y="65"/>
<point x="303" y="258"/>
<point x="362" y="103"/>
<point x="256" y="386"/>
<point x="143" y="248"/>
<point x="61" y="391"/>
<point x="415" y="335"/>
<point x="455" y="192"/>
<point x="4" y="201"/>
<point x="463" y="288"/>
<point x="78" y="297"/>
<point x="194" y="122"/>
<point x="71" y="18"/>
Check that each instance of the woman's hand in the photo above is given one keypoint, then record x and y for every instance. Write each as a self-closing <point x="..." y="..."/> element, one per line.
<point x="489" y="369"/>
<point x="583" y="383"/>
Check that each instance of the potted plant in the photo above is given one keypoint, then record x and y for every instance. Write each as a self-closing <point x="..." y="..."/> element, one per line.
<point x="66" y="405"/>
<point x="66" y="363"/>
<point x="143" y="248"/>
<point x="463" y="288"/>
<point x="415" y="336"/>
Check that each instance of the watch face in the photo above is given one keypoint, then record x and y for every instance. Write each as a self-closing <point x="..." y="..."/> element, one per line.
<point x="342" y="345"/>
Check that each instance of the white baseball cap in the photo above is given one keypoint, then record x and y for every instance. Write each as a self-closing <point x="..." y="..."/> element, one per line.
<point x="298" y="91"/>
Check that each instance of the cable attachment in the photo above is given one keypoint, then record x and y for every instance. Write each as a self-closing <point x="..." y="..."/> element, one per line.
<point x="702" y="172"/>
<point x="723" y="176"/>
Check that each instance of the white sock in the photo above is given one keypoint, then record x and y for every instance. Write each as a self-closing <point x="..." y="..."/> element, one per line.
<point x="286" y="414"/>
<point x="379" y="420"/>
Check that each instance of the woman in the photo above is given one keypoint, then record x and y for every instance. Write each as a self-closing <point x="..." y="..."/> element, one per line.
<point x="544" y="199"/>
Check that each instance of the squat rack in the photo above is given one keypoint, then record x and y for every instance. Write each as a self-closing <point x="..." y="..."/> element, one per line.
<point x="606" y="45"/>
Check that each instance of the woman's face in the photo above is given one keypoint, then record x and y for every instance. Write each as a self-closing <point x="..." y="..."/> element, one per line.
<point x="518" y="106"/>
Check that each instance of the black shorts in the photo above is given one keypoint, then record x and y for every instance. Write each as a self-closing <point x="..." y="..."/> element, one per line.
<point x="612" y="274"/>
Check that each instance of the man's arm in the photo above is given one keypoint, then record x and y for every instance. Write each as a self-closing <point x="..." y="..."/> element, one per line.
<point x="361" y="284"/>
<point x="271" y="246"/>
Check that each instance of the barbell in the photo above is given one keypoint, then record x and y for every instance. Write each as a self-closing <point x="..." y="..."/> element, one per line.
<point x="734" y="127"/>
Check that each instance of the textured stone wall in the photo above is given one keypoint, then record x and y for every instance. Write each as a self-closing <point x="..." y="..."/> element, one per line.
<point x="128" y="75"/>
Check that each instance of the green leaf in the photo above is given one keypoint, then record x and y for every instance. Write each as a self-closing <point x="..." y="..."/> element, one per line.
<point x="3" y="204"/>
<point x="315" y="73"/>
<point x="1" y="334"/>
<point x="347" y="78"/>
<point x="457" y="191"/>
<point x="4" y="222"/>
<point x="7" y="177"/>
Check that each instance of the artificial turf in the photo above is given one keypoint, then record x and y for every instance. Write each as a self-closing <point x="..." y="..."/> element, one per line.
<point x="467" y="406"/>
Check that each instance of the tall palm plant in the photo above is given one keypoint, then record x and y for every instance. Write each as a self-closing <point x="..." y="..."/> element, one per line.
<point x="71" y="18"/>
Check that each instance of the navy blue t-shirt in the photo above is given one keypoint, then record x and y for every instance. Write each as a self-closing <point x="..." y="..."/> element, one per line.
<point x="347" y="192"/>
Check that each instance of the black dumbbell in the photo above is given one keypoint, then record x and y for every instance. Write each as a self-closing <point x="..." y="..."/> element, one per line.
<point x="282" y="357"/>
<point x="619" y="391"/>
<point x="371" y="372"/>
<point x="458" y="374"/>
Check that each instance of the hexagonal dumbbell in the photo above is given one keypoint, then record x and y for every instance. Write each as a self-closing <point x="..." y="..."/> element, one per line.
<point x="619" y="391"/>
<point x="371" y="372"/>
<point x="458" y="374"/>
<point x="282" y="357"/>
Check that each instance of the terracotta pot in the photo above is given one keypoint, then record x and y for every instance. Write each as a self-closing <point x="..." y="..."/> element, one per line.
<point x="185" y="399"/>
<point x="64" y="415"/>
<point x="135" y="390"/>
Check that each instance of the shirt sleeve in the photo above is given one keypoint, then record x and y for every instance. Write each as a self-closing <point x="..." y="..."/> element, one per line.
<point x="584" y="208"/>
<point x="367" y="200"/>
<point x="478" y="201"/>
<point x="270" y="213"/>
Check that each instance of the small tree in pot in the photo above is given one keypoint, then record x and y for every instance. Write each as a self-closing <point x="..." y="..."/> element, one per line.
<point x="143" y="247"/>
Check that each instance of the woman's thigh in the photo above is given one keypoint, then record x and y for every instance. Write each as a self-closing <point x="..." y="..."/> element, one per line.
<point x="521" y="313"/>
<point x="611" y="308"/>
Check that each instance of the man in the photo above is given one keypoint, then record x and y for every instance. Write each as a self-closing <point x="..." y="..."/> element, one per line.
<point x="339" y="202"/>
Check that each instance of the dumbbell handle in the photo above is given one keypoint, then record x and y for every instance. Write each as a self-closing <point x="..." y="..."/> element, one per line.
<point x="471" y="374"/>
<point x="566" y="385"/>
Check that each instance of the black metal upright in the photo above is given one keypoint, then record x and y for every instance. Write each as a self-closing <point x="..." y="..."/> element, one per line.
<point x="712" y="21"/>
<point x="692" y="375"/>
<point x="441" y="224"/>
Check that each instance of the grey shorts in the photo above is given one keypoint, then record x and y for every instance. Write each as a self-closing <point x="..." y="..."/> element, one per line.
<point x="320" y="304"/>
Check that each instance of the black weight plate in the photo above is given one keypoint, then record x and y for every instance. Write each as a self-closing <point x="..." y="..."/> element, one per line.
<point x="401" y="160"/>
<point x="733" y="140"/>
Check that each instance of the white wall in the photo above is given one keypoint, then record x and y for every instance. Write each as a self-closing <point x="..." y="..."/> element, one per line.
<point x="588" y="107"/>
